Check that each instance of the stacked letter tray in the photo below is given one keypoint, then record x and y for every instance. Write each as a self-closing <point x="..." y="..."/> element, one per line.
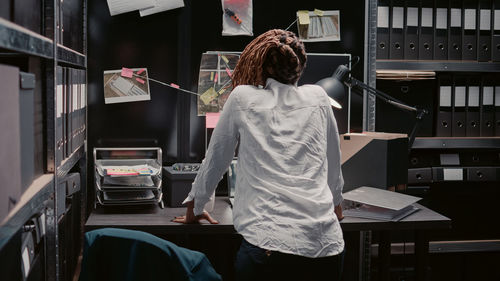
<point x="128" y="176"/>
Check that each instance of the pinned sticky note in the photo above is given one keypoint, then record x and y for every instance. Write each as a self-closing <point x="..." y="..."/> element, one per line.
<point x="212" y="76"/>
<point x="225" y="59"/>
<point x="127" y="72"/>
<point x="140" y="80"/>
<point x="303" y="17"/>
<point x="221" y="91"/>
<point x="140" y="71"/>
<point x="211" y="119"/>
<point x="174" y="85"/>
<point x="228" y="72"/>
<point x="215" y="78"/>
<point x="208" y="95"/>
<point x="319" y="12"/>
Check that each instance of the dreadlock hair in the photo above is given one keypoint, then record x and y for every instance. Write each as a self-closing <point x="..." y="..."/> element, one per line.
<point x="276" y="54"/>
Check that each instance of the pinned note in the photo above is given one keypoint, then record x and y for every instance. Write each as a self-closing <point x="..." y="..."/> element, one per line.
<point x="208" y="95"/>
<point x="212" y="76"/>
<point x="140" y="80"/>
<point x="140" y="71"/>
<point x="127" y="72"/>
<point x="303" y="17"/>
<point x="224" y="59"/>
<point x="211" y="119"/>
<point x="228" y="72"/>
<point x="319" y="12"/>
<point x="174" y="85"/>
<point x="215" y="78"/>
<point x="221" y="91"/>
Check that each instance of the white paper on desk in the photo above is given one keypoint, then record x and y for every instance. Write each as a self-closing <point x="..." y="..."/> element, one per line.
<point x="117" y="7"/>
<point x="162" y="5"/>
<point x="380" y="198"/>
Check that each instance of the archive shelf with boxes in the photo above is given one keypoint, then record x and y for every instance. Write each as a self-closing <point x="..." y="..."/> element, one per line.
<point x="35" y="210"/>
<point x="128" y="176"/>
<point x="443" y="56"/>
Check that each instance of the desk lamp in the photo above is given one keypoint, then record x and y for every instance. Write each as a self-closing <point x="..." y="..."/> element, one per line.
<point x="335" y="87"/>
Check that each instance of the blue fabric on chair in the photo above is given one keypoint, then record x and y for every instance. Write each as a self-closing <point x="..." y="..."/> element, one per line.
<point x="112" y="254"/>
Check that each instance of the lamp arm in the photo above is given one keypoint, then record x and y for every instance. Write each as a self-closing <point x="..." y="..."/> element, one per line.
<point x="420" y="112"/>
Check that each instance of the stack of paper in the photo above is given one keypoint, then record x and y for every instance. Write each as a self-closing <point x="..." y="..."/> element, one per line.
<point x="380" y="204"/>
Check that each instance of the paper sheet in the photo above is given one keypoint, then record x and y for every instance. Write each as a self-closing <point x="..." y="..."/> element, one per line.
<point x="161" y="6"/>
<point x="117" y="7"/>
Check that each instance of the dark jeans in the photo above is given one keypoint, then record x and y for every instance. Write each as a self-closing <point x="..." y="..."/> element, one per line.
<point x="256" y="264"/>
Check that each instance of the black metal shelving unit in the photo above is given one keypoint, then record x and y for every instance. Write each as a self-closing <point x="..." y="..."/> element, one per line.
<point x="439" y="66"/>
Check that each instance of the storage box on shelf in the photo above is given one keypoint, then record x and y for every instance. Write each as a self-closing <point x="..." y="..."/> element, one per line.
<point x="128" y="176"/>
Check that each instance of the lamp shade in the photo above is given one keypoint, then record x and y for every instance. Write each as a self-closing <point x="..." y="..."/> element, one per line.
<point x="334" y="89"/>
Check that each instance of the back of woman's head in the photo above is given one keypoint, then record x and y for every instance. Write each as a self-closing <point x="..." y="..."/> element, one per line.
<point x="276" y="54"/>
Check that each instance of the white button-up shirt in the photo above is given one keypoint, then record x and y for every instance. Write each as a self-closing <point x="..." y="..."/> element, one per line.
<point x="288" y="172"/>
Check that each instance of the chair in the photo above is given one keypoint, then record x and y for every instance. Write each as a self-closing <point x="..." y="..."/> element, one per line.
<point x="113" y="254"/>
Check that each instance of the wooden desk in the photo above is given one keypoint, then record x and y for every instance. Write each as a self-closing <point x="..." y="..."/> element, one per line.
<point x="158" y="221"/>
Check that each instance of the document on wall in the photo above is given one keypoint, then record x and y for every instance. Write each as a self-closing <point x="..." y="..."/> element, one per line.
<point x="120" y="87"/>
<point x="117" y="7"/>
<point x="161" y="6"/>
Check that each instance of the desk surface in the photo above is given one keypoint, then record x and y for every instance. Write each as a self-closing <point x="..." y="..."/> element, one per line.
<point x="157" y="220"/>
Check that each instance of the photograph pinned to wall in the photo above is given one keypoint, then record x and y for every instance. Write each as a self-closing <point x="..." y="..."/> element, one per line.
<point x="214" y="80"/>
<point x="237" y="17"/>
<point x="161" y="6"/>
<point x="126" y="85"/>
<point x="318" y="25"/>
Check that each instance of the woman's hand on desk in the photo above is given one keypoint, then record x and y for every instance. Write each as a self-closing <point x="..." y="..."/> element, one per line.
<point x="191" y="218"/>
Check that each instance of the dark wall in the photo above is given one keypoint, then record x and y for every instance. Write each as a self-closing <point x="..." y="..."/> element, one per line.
<point x="170" y="45"/>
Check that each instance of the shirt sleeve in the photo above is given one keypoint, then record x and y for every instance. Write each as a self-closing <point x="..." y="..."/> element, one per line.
<point x="335" y="178"/>
<point x="219" y="154"/>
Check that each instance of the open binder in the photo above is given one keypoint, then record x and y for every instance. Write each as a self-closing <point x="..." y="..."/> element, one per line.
<point x="374" y="203"/>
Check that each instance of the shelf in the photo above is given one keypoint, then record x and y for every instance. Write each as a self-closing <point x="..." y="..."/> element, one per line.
<point x="456" y="143"/>
<point x="17" y="38"/>
<point x="31" y="202"/>
<point x="69" y="162"/>
<point x="67" y="55"/>
<point x="456" y="66"/>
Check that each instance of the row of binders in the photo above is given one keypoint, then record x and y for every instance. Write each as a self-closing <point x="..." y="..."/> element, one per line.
<point x="468" y="107"/>
<point x="438" y="30"/>
<point x="71" y="97"/>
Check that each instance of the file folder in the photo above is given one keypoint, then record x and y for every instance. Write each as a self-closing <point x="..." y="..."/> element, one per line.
<point x="383" y="30"/>
<point x="487" y="110"/>
<point x="443" y="120"/>
<point x="497" y="110"/>
<point x="455" y="31"/>
<point x="396" y="36"/>
<point x="426" y="31"/>
<point x="484" y="40"/>
<point x="441" y="31"/>
<point x="59" y="115"/>
<point x="495" y="39"/>
<point x="458" y="116"/>
<point x="411" y="31"/>
<point x="473" y="119"/>
<point x="469" y="46"/>
<point x="27" y="127"/>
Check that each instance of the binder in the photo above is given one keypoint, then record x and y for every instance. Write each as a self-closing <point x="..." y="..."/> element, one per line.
<point x="411" y="31"/>
<point x="419" y="175"/>
<point x="396" y="37"/>
<point x="458" y="115"/>
<point x="482" y="174"/>
<point x="484" y="40"/>
<point x="487" y="109"/>
<point x="455" y="31"/>
<point x="469" y="44"/>
<point x="59" y="115"/>
<point x="495" y="38"/>
<point x="441" y="31"/>
<point x="65" y="114"/>
<point x="426" y="30"/>
<point x="383" y="30"/>
<point x="497" y="110"/>
<point x="27" y="127"/>
<point x="443" y="120"/>
<point x="440" y="174"/>
<point x="67" y="85"/>
<point x="74" y="110"/>
<point x="473" y="119"/>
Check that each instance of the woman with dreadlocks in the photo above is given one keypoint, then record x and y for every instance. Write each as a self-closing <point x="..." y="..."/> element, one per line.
<point x="289" y="182"/>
